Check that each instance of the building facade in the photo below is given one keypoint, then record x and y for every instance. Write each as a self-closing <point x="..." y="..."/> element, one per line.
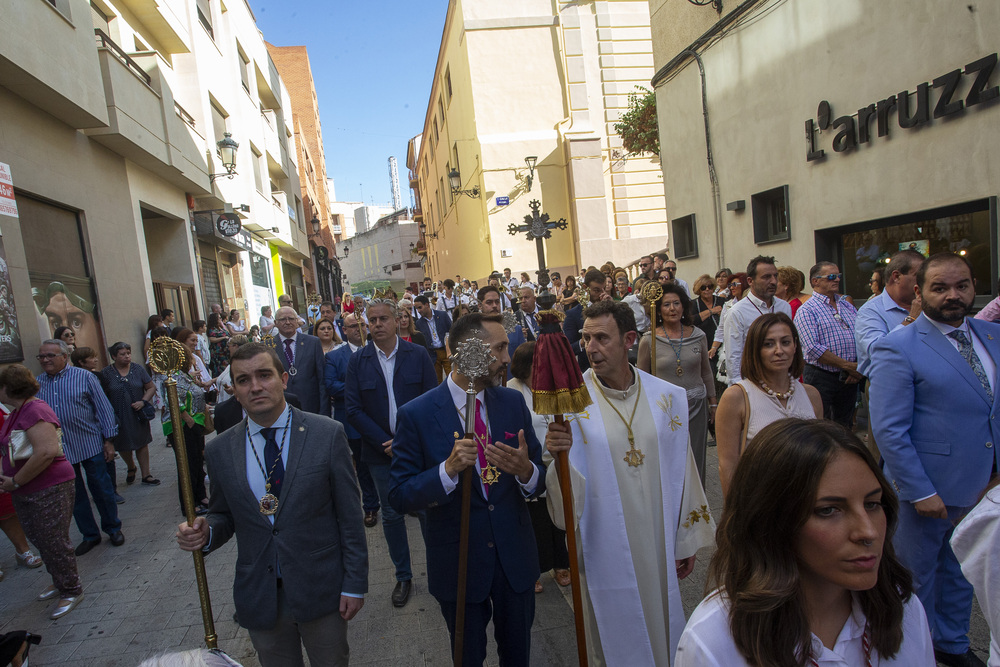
<point x="838" y="131"/>
<point x="384" y="256"/>
<point x="533" y="79"/>
<point x="112" y="113"/>
<point x="293" y="66"/>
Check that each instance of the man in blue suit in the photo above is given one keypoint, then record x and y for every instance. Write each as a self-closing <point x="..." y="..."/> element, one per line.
<point x="302" y="357"/>
<point x="336" y="379"/>
<point x="382" y="377"/>
<point x="434" y="325"/>
<point x="490" y="304"/>
<point x="429" y="457"/>
<point x="934" y="412"/>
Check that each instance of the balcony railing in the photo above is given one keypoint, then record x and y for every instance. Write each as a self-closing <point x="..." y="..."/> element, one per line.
<point x="184" y="115"/>
<point x="106" y="42"/>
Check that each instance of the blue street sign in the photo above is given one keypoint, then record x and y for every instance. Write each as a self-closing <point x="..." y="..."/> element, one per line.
<point x="503" y="201"/>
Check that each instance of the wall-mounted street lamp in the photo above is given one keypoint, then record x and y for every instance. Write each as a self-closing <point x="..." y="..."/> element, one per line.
<point x="315" y="224"/>
<point x="347" y="251"/>
<point x="227" y="153"/>
<point x="456" y="185"/>
<point x="530" y="162"/>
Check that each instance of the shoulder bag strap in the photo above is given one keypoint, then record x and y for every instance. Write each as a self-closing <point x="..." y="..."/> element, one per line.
<point x="746" y="417"/>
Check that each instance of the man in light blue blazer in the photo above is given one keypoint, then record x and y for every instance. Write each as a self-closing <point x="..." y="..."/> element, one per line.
<point x="936" y="417"/>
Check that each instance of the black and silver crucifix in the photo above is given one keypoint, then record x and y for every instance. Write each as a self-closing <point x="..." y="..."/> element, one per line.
<point x="538" y="227"/>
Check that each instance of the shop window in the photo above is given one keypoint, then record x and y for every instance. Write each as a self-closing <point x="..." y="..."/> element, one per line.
<point x="258" y="270"/>
<point x="770" y="215"/>
<point x="684" y="237"/>
<point x="967" y="229"/>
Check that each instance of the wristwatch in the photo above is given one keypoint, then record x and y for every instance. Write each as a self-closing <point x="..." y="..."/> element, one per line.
<point x="908" y="319"/>
<point x="16" y="485"/>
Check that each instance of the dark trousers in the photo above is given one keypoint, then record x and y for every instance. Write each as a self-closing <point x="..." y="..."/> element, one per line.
<point x="194" y="445"/>
<point x="100" y="487"/>
<point x="369" y="495"/>
<point x="394" y="524"/>
<point x="551" y="541"/>
<point x="839" y="398"/>
<point x="113" y="474"/>
<point x="512" y="614"/>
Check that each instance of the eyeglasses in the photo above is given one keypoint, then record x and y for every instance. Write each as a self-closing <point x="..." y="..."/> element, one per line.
<point x="832" y="276"/>
<point x="643" y="266"/>
<point x="287" y="319"/>
<point x="46" y="357"/>
<point x="672" y="269"/>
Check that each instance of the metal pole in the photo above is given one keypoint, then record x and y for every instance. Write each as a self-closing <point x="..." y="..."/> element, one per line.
<point x="187" y="493"/>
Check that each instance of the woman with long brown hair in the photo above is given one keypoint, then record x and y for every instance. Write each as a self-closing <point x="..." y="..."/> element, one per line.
<point x="804" y="571"/>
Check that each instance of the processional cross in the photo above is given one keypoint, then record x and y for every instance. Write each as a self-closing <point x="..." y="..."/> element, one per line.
<point x="538" y="226"/>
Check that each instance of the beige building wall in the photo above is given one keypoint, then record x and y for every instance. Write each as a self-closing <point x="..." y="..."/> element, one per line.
<point x="527" y="78"/>
<point x="766" y="77"/>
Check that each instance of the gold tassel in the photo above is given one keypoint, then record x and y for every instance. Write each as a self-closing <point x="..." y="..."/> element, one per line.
<point x="560" y="401"/>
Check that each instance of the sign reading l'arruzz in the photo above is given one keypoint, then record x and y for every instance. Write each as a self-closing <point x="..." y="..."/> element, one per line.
<point x="8" y="205"/>
<point x="910" y="109"/>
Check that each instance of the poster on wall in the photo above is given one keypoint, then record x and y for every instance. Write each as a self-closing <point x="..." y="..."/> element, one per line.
<point x="10" y="334"/>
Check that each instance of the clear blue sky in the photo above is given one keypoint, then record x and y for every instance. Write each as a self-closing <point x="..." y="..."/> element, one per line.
<point x="373" y="63"/>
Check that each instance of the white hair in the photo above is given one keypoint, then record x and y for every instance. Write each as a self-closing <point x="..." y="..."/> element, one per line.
<point x="63" y="347"/>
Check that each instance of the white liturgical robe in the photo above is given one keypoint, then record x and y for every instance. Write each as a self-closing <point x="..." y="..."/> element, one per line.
<point x="633" y="521"/>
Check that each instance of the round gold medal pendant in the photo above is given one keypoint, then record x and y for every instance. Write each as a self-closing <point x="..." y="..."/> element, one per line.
<point x="679" y="371"/>
<point x="268" y="504"/>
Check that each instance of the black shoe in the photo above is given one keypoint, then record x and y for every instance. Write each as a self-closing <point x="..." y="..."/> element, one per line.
<point x="967" y="659"/>
<point x="401" y="593"/>
<point x="371" y="518"/>
<point x="86" y="545"/>
<point x="117" y="539"/>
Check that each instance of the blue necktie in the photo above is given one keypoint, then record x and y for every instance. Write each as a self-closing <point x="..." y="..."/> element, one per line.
<point x="272" y="458"/>
<point x="966" y="350"/>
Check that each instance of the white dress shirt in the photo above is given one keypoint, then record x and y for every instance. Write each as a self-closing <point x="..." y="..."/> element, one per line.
<point x="975" y="542"/>
<point x="989" y="366"/>
<point x="458" y="397"/>
<point x="388" y="364"/>
<point x="707" y="640"/>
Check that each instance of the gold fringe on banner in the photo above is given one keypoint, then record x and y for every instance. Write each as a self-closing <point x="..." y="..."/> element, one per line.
<point x="561" y="401"/>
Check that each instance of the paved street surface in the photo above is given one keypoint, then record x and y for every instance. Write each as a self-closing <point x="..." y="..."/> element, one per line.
<point x="141" y="598"/>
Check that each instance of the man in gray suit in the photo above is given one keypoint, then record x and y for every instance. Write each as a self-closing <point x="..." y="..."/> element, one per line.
<point x="283" y="482"/>
<point x="302" y="357"/>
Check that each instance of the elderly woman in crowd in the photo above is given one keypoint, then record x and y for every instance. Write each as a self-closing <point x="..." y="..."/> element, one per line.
<point x="218" y="336"/>
<point x="804" y="571"/>
<point x="722" y="277"/>
<point x="682" y="359"/>
<point x="551" y="541"/>
<point x="769" y="390"/>
<point x="129" y="390"/>
<point x="86" y="358"/>
<point x="41" y="483"/>
<point x="790" y="284"/>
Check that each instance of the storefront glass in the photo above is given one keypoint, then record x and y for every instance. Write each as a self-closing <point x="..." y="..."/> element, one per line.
<point x="966" y="232"/>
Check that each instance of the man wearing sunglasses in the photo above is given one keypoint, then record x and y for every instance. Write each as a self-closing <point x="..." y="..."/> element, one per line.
<point x="826" y="330"/>
<point x="645" y="269"/>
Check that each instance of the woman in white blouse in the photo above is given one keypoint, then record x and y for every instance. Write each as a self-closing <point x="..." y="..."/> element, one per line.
<point x="976" y="542"/>
<point x="804" y="572"/>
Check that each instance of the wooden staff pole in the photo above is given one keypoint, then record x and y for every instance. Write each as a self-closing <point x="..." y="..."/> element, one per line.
<point x="187" y="493"/>
<point x="569" y="517"/>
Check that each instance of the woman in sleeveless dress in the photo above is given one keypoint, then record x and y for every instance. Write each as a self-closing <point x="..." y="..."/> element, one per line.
<point x="772" y="359"/>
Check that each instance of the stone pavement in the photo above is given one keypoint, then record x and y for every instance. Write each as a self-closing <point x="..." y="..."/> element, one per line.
<point x="141" y="598"/>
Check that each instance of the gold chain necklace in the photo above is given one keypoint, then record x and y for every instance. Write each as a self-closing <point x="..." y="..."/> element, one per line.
<point x="633" y="457"/>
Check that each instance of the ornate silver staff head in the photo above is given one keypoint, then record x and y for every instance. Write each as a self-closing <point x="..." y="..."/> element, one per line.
<point x="509" y="320"/>
<point x="472" y="358"/>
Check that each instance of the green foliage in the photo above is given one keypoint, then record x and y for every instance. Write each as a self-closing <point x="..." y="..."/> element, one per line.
<point x="637" y="126"/>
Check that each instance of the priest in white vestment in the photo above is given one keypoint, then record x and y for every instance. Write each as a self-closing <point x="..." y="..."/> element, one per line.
<point x="641" y="510"/>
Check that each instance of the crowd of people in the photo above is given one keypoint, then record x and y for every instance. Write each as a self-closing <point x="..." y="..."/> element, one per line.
<point x="830" y="547"/>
